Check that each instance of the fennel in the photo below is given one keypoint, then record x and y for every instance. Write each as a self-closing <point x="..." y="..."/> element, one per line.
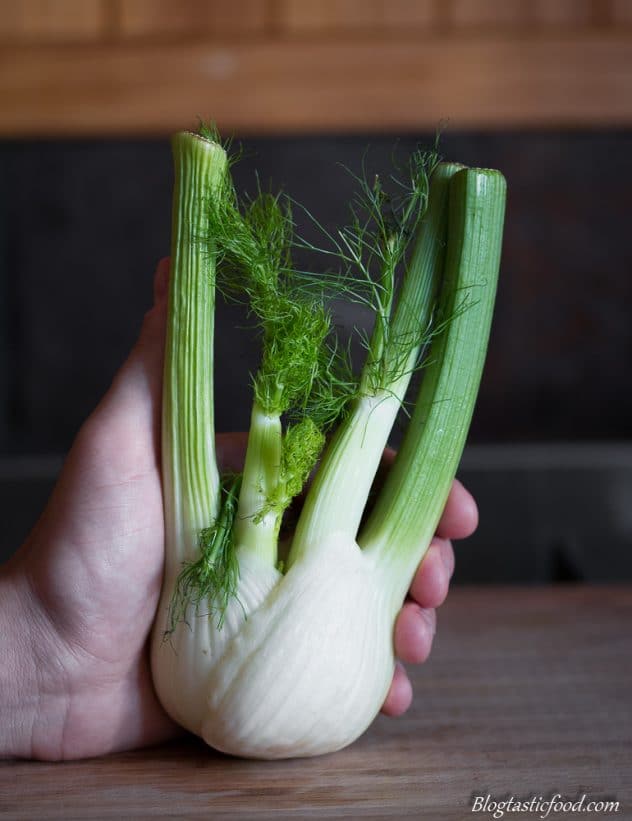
<point x="274" y="655"/>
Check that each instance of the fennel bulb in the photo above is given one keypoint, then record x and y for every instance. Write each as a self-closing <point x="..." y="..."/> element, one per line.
<point x="269" y="655"/>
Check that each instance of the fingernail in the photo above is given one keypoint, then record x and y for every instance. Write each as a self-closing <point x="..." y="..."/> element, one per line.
<point x="447" y="559"/>
<point x="430" y="617"/>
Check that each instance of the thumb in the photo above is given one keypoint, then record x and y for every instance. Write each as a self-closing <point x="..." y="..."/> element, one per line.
<point x="119" y="443"/>
<point x="141" y="373"/>
<point x="130" y="410"/>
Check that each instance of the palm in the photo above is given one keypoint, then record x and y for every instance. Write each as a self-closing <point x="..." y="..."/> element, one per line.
<point x="98" y="581"/>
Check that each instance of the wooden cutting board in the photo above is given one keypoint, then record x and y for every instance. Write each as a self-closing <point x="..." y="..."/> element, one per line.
<point x="528" y="693"/>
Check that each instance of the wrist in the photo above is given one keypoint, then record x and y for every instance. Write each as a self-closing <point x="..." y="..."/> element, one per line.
<point x="18" y="691"/>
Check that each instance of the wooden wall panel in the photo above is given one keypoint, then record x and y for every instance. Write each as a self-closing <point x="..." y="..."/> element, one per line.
<point x="526" y="14"/>
<point x="569" y="13"/>
<point x="420" y="13"/>
<point x="297" y="15"/>
<point x="488" y="13"/>
<point x="344" y="15"/>
<point x="99" y="66"/>
<point x="621" y="12"/>
<point x="310" y="86"/>
<point x="190" y="17"/>
<point x="51" y="20"/>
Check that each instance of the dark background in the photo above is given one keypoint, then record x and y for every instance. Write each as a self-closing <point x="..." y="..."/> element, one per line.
<point x="82" y="224"/>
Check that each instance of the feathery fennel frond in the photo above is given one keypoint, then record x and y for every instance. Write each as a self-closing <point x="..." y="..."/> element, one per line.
<point x="211" y="579"/>
<point x="253" y="241"/>
<point x="372" y="252"/>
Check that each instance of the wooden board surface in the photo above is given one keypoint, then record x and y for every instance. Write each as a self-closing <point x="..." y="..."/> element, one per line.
<point x="316" y="86"/>
<point x="121" y="67"/>
<point x="527" y="693"/>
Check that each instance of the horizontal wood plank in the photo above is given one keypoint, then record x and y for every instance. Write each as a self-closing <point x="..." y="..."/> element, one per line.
<point x="570" y="13"/>
<point x="532" y="14"/>
<point x="526" y="693"/>
<point x="345" y="15"/>
<point x="313" y="86"/>
<point x="520" y="14"/>
<point x="189" y="17"/>
<point x="416" y="13"/>
<point x="489" y="13"/>
<point x="621" y="12"/>
<point x="51" y="20"/>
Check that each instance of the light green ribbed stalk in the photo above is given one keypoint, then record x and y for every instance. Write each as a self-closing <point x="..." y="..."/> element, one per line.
<point x="407" y="512"/>
<point x="190" y="476"/>
<point x="338" y="495"/>
<point x="420" y="288"/>
<point x="256" y="533"/>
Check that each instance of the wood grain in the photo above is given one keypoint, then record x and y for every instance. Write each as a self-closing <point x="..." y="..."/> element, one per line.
<point x="486" y="13"/>
<point x="298" y="16"/>
<point x="317" y="86"/>
<point x="133" y="67"/>
<point x="534" y="15"/>
<point x="51" y="20"/>
<point x="528" y="693"/>
<point x="568" y="13"/>
<point x="190" y="17"/>
<point x="621" y="12"/>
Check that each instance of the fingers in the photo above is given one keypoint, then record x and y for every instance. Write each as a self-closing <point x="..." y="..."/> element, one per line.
<point x="430" y="585"/>
<point x="400" y="695"/>
<point x="414" y="632"/>
<point x="460" y="515"/>
<point x="417" y="621"/>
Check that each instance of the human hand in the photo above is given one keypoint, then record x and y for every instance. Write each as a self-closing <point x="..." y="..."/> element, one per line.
<point x="87" y="579"/>
<point x="416" y="624"/>
<point x="83" y="589"/>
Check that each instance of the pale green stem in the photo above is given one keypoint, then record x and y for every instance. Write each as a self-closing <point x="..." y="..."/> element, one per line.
<point x="338" y="495"/>
<point x="417" y="301"/>
<point x="253" y="532"/>
<point x="410" y="504"/>
<point x="190" y="476"/>
<point x="380" y="336"/>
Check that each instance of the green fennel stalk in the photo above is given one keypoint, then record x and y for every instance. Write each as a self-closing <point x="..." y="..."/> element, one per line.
<point x="442" y="231"/>
<point x="281" y="653"/>
<point x="190" y="475"/>
<point x="339" y="493"/>
<point x="407" y="511"/>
